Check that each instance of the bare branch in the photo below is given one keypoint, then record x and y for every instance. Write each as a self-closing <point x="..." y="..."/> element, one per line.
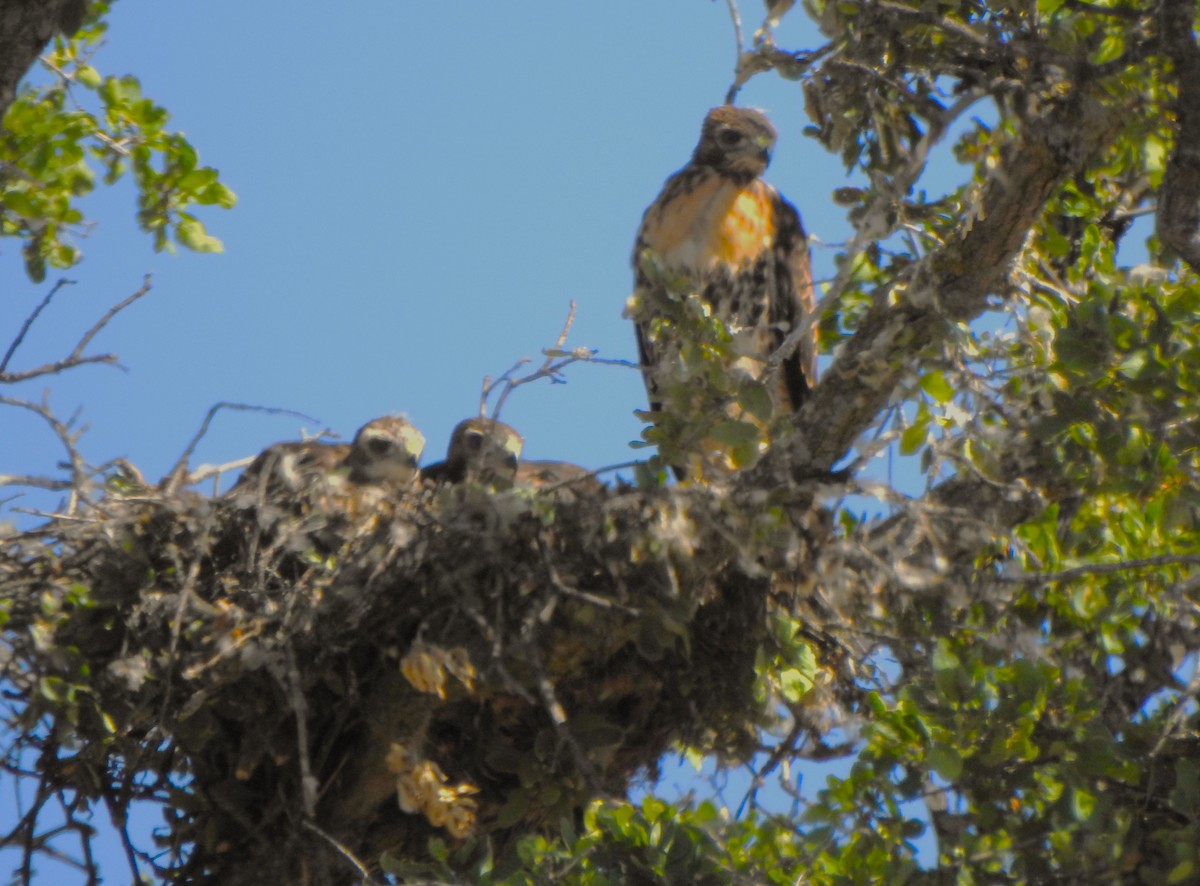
<point x="69" y="439"/>
<point x="112" y="312"/>
<point x="363" y="872"/>
<point x="20" y="337"/>
<point x="1156" y="562"/>
<point x="178" y="475"/>
<point x="76" y="357"/>
<point x="735" y="17"/>
<point x="35" y="482"/>
<point x="549" y="368"/>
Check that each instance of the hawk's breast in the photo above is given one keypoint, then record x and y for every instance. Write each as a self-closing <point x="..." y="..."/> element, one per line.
<point x="714" y="223"/>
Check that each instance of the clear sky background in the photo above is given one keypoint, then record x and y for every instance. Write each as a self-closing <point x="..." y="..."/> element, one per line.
<point x="423" y="188"/>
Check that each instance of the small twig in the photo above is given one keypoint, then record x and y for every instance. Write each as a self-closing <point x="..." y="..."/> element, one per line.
<point x="1101" y="569"/>
<point x="79" y="474"/>
<point x="308" y="784"/>
<point x="35" y="482"/>
<point x="75" y="358"/>
<point x="185" y="594"/>
<point x="204" y="472"/>
<point x="367" y="879"/>
<point x="178" y="473"/>
<point x="567" y="590"/>
<point x="778" y="753"/>
<point x="735" y="16"/>
<point x="548" y="369"/>
<point x="875" y="225"/>
<point x="112" y="312"/>
<point x="29" y="321"/>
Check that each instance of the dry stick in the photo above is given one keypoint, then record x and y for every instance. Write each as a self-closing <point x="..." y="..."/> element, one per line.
<point x="547" y="368"/>
<point x="76" y="358"/>
<point x="120" y="817"/>
<point x="367" y="879"/>
<point x="63" y="432"/>
<point x="16" y="342"/>
<point x="736" y="17"/>
<point x="35" y="482"/>
<point x="178" y="472"/>
<point x="1101" y="569"/>
<point x="308" y="786"/>
<point x="27" y="824"/>
<point x="185" y="594"/>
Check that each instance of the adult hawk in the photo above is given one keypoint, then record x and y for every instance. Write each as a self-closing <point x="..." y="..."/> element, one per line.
<point x="718" y="231"/>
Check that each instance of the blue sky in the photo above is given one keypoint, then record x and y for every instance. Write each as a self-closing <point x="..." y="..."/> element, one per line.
<point x="424" y="187"/>
<point x="422" y="193"/>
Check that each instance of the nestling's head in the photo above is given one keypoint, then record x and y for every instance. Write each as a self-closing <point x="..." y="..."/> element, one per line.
<point x="385" y="450"/>
<point x="736" y="142"/>
<point x="486" y="448"/>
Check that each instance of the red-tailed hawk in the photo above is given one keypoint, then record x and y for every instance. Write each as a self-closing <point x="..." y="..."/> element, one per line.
<point x="719" y="231"/>
<point x="482" y="450"/>
<point x="384" y="451"/>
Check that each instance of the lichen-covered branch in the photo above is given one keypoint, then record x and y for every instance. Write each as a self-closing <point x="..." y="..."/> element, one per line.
<point x="953" y="284"/>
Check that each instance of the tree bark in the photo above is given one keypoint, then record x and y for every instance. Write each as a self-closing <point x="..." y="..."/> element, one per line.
<point x="951" y="285"/>
<point x="25" y="28"/>
<point x="1179" y="197"/>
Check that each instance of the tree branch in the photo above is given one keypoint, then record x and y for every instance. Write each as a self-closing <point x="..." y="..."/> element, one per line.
<point x="952" y="284"/>
<point x="25" y="28"/>
<point x="1179" y="197"/>
<point x="76" y="357"/>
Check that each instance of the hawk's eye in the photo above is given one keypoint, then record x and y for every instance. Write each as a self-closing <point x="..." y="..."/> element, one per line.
<point x="510" y="462"/>
<point x="729" y="137"/>
<point x="378" y="445"/>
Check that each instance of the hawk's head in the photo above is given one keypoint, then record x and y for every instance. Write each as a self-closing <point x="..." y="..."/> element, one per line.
<point x="385" y="450"/>
<point x="483" y="449"/>
<point x="736" y="142"/>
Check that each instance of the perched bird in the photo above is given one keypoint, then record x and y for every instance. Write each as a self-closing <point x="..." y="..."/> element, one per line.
<point x="738" y="245"/>
<point x="481" y="449"/>
<point x="384" y="451"/>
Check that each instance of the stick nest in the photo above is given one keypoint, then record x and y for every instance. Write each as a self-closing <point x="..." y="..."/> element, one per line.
<point x="307" y="681"/>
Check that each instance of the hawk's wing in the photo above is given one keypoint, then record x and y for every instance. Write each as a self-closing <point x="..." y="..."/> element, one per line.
<point x="793" y="301"/>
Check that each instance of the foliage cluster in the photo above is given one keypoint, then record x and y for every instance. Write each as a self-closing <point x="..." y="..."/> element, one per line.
<point x="57" y="138"/>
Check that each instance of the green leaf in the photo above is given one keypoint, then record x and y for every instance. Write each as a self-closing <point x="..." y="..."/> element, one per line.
<point x="1182" y="872"/>
<point x="1083" y="804"/>
<point x="794" y="684"/>
<point x="935" y="385"/>
<point x="1110" y="49"/>
<point x="89" y="77"/>
<point x="191" y="233"/>
<point x="946" y="761"/>
<point x="914" y="438"/>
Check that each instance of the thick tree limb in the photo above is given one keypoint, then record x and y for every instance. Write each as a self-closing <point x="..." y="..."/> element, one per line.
<point x="25" y="27"/>
<point x="953" y="284"/>
<point x="1179" y="197"/>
